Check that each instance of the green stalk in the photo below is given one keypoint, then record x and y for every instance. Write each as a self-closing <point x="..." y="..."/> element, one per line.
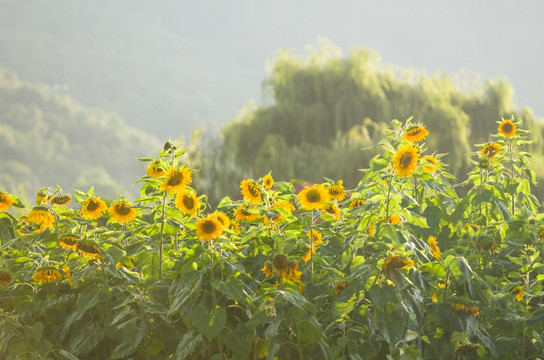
<point x="162" y="232"/>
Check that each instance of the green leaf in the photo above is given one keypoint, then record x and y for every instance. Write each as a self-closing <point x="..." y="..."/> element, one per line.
<point x="187" y="345"/>
<point x="381" y="295"/>
<point x="67" y="355"/>
<point x="233" y="287"/>
<point x="309" y="332"/>
<point x="238" y="341"/>
<point x="209" y="324"/>
<point x="34" y="331"/>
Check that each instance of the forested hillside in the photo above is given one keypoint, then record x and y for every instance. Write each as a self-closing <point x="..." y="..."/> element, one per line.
<point x="324" y="108"/>
<point x="48" y="139"/>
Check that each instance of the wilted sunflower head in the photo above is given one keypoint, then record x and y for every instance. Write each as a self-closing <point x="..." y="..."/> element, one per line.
<point x="61" y="200"/>
<point x="507" y="128"/>
<point x="313" y="197"/>
<point x="208" y="228"/>
<point x="89" y="249"/>
<point x="47" y="275"/>
<point x="340" y="287"/>
<point x="155" y="169"/>
<point x="356" y="203"/>
<point x="280" y="262"/>
<point x="405" y="160"/>
<point x="490" y="150"/>
<point x="332" y="210"/>
<point x="122" y="211"/>
<point x="177" y="179"/>
<point x="250" y="191"/>
<point x="68" y="241"/>
<point x="93" y="208"/>
<point x="268" y="181"/>
<point x="5" y="278"/>
<point x="396" y="262"/>
<point x="187" y="203"/>
<point x="41" y="216"/>
<point x="6" y="201"/>
<point x="415" y="133"/>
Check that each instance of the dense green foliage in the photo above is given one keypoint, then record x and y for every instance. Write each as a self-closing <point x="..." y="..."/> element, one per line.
<point x="48" y="139"/>
<point x="287" y="277"/>
<point x="324" y="108"/>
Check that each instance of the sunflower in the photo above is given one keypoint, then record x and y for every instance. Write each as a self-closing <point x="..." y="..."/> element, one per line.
<point x="6" y="201"/>
<point x="281" y="263"/>
<point x="222" y="218"/>
<point x="395" y="219"/>
<point x="93" y="208"/>
<point x="332" y="210"/>
<point x="176" y="180"/>
<point x="241" y="213"/>
<point x="5" y="278"/>
<point x="208" y="228"/>
<point x="434" y="299"/>
<point x="68" y="242"/>
<point x="441" y="285"/>
<point x="340" y="287"/>
<point x="68" y="275"/>
<point x="405" y="160"/>
<point x="356" y="203"/>
<point x="47" y="275"/>
<point x="286" y="205"/>
<point x="433" y="245"/>
<point x="507" y="128"/>
<point x="518" y="293"/>
<point x="292" y="273"/>
<point x="313" y="197"/>
<point x="315" y="239"/>
<point x="155" y="170"/>
<point x="268" y="181"/>
<point x="465" y="309"/>
<point x="336" y="191"/>
<point x="490" y="150"/>
<point x="40" y="197"/>
<point x="266" y="269"/>
<point x="250" y="191"/>
<point x="430" y="164"/>
<point x="62" y="200"/>
<point x="89" y="249"/>
<point x="122" y="211"/>
<point x="40" y="216"/>
<point x="395" y="262"/>
<point x="415" y="134"/>
<point x="187" y="203"/>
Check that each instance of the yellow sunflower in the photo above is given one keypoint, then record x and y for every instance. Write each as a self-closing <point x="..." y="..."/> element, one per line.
<point x="89" y="249"/>
<point x="250" y="191"/>
<point x="68" y="275"/>
<point x="93" y="208"/>
<point x="6" y="201"/>
<point x="430" y="164"/>
<point x="315" y="239"/>
<point x="415" y="134"/>
<point x="313" y="197"/>
<point x="336" y="191"/>
<point x="68" y="241"/>
<point x="405" y="160"/>
<point x="40" y="216"/>
<point x="356" y="203"/>
<point x="241" y="213"/>
<point x="122" y="211"/>
<point x="47" y="275"/>
<point x="518" y="293"/>
<point x="332" y="210"/>
<point x="176" y="180"/>
<point x="395" y="219"/>
<point x="433" y="245"/>
<point x="395" y="262"/>
<point x="507" y="128"/>
<point x="40" y="197"/>
<point x="187" y="203"/>
<point x="155" y="170"/>
<point x="268" y="181"/>
<point x="62" y="200"/>
<point x="490" y="150"/>
<point x="222" y="218"/>
<point x="5" y="278"/>
<point x="286" y="205"/>
<point x="266" y="269"/>
<point x="465" y="309"/>
<point x="208" y="228"/>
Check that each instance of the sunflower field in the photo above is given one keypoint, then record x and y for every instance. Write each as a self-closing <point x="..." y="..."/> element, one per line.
<point x="409" y="264"/>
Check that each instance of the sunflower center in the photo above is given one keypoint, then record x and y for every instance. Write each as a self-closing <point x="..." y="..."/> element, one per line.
<point x="253" y="190"/>
<point x="507" y="128"/>
<point x="123" y="210"/>
<point x="188" y="202"/>
<point x="406" y="160"/>
<point x="313" y="196"/>
<point x="176" y="179"/>
<point x="92" y="205"/>
<point x="334" y="190"/>
<point x="208" y="227"/>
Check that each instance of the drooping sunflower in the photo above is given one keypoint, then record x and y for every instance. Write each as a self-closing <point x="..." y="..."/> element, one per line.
<point x="395" y="262"/>
<point x="465" y="309"/>
<point x="250" y="191"/>
<point x="93" y="208"/>
<point x="155" y="170"/>
<point x="222" y="218"/>
<point x="315" y="239"/>
<point x="176" y="180"/>
<point x="405" y="160"/>
<point x="187" y="203"/>
<point x="268" y="181"/>
<point x="336" y="191"/>
<point x="490" y="150"/>
<point x="6" y="201"/>
<point x="40" y="197"/>
<point x="433" y="246"/>
<point x="68" y="242"/>
<point x="356" y="203"/>
<point x="5" y="278"/>
<point x="89" y="249"/>
<point x="208" y="228"/>
<point x="518" y="293"/>
<point x="122" y="211"/>
<point x="415" y="134"/>
<point x="313" y="197"/>
<point x="332" y="210"/>
<point x="430" y="164"/>
<point x="47" y="275"/>
<point x="241" y="213"/>
<point x="40" y="216"/>
<point x="507" y="128"/>
<point x="281" y="263"/>
<point x="61" y="200"/>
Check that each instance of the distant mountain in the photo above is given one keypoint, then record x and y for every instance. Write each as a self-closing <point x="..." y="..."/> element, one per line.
<point x="49" y="139"/>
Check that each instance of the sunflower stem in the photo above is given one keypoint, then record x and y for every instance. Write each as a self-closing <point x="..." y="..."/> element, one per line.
<point x="162" y="232"/>
<point x="389" y="185"/>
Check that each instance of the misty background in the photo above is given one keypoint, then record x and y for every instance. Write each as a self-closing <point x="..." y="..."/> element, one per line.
<point x="147" y="71"/>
